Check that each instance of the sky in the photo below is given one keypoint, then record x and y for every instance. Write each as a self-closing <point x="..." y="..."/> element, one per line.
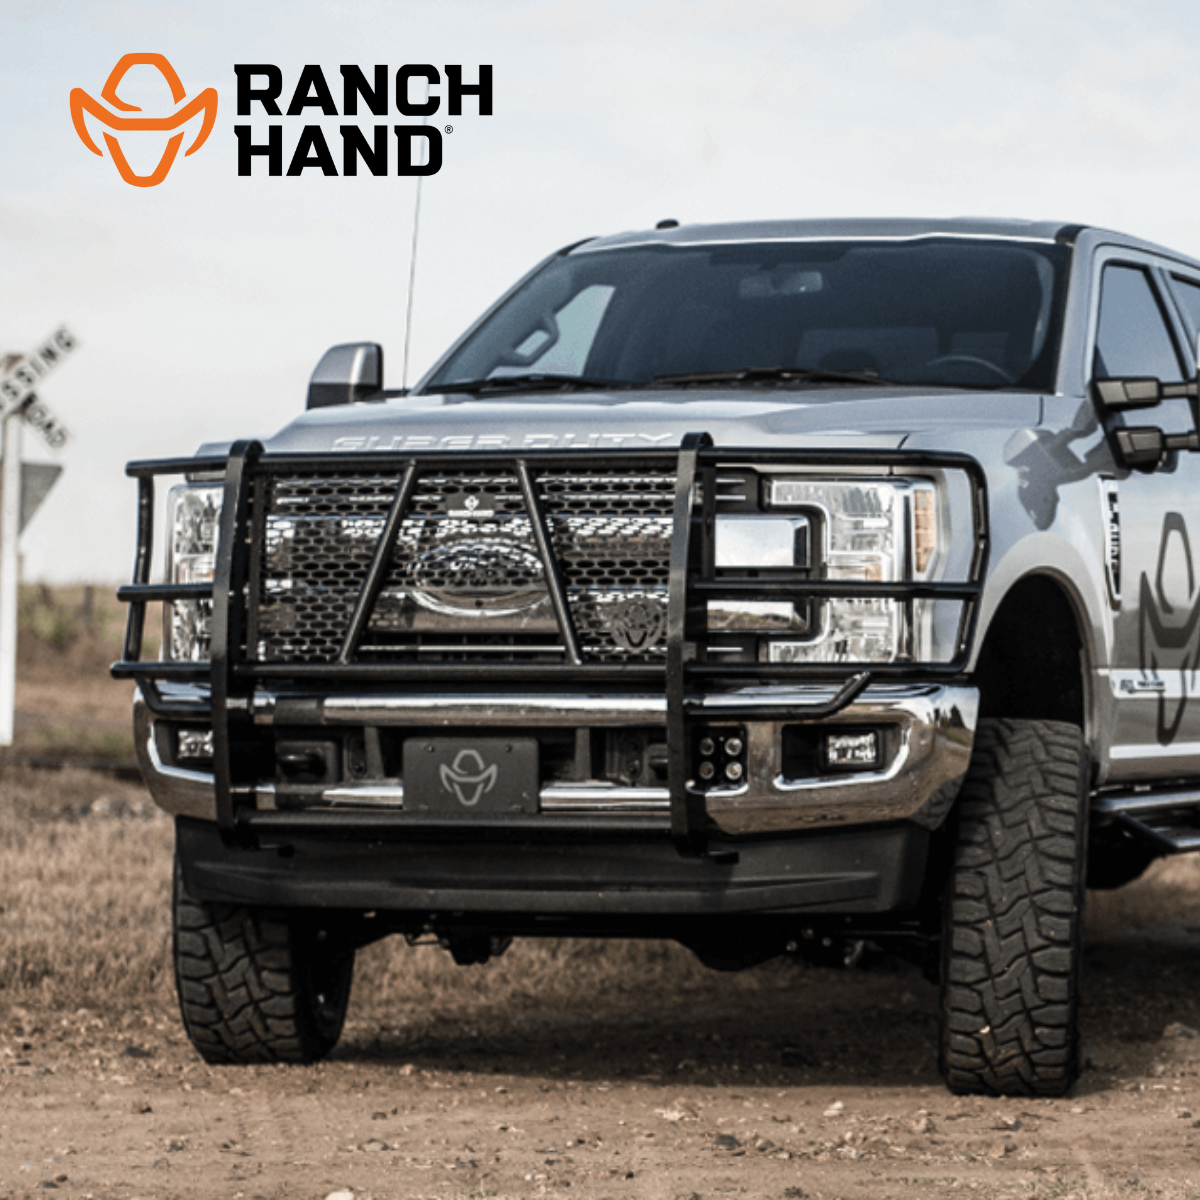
<point x="202" y="305"/>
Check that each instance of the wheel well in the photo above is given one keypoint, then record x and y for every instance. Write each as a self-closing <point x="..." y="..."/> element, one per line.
<point x="1031" y="664"/>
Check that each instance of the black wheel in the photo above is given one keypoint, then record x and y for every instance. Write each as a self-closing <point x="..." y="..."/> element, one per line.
<point x="1013" y="913"/>
<point x="257" y="985"/>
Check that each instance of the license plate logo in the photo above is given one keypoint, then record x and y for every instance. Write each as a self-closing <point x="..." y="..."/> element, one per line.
<point x="454" y="775"/>
<point x="469" y="778"/>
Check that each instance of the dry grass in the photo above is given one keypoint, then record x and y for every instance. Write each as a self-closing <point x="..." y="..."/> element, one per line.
<point x="84" y="874"/>
<point x="68" y="706"/>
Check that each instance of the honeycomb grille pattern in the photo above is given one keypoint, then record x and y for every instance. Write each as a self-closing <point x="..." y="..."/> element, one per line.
<point x="611" y="534"/>
<point x="319" y="536"/>
<point x="466" y="542"/>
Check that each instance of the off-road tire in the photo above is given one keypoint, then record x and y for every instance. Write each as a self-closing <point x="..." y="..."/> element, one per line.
<point x="257" y="985"/>
<point x="1013" y="913"/>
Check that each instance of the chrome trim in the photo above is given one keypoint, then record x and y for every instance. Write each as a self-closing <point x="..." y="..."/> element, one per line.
<point x="368" y="795"/>
<point x="934" y="726"/>
<point x="603" y="797"/>
<point x="565" y="709"/>
<point x="493" y="710"/>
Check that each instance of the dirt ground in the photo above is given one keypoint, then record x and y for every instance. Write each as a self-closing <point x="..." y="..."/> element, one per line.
<point x="782" y="1082"/>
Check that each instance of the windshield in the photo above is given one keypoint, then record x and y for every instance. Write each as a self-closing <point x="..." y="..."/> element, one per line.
<point x="940" y="311"/>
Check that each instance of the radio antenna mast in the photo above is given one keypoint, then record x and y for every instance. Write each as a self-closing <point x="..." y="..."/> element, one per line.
<point x="412" y="260"/>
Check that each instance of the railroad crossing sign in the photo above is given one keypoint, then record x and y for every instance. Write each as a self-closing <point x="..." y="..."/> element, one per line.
<point x="19" y="381"/>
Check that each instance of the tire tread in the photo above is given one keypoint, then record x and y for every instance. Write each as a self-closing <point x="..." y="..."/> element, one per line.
<point x="1013" y="913"/>
<point x="243" y="992"/>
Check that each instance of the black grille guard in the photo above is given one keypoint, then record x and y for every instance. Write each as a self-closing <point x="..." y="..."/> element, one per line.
<point x="232" y="674"/>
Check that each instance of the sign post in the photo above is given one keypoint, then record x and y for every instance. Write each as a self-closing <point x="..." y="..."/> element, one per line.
<point x="10" y="522"/>
<point x="19" y="406"/>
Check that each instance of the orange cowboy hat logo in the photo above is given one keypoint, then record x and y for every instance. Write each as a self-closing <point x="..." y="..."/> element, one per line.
<point x="80" y="100"/>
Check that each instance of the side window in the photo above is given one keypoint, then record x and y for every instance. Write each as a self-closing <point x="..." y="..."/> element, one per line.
<point x="1187" y="292"/>
<point x="1133" y="337"/>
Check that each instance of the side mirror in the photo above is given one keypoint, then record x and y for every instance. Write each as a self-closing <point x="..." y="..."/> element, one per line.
<point x="1144" y="447"/>
<point x="1141" y="447"/>
<point x="1116" y="395"/>
<point x="347" y="374"/>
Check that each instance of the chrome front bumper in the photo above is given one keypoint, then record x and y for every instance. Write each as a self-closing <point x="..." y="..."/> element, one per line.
<point x="932" y="728"/>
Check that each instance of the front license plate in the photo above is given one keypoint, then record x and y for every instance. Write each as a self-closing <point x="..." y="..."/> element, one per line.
<point x="471" y="775"/>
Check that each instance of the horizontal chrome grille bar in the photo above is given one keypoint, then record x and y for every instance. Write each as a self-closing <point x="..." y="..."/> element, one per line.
<point x="576" y="797"/>
<point x="546" y="709"/>
<point x="492" y="710"/>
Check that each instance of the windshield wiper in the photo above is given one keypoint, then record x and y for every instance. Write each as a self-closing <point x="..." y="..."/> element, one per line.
<point x="533" y="381"/>
<point x="773" y="375"/>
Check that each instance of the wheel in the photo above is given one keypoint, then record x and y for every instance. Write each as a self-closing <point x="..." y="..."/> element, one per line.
<point x="257" y="985"/>
<point x="1013" y="913"/>
<point x="973" y="360"/>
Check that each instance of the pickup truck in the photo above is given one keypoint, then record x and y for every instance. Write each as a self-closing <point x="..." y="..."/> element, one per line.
<point x="776" y="588"/>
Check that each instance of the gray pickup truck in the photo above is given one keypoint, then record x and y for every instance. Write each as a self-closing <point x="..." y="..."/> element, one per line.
<point x="775" y="588"/>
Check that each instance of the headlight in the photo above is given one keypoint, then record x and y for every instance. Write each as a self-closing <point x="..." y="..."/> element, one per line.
<point x="193" y="517"/>
<point x="870" y="530"/>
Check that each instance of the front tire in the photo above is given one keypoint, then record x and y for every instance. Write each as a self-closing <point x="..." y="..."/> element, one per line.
<point x="257" y="985"/>
<point x="1013" y="913"/>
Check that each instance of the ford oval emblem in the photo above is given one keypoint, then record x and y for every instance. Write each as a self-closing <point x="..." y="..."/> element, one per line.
<point x="486" y="576"/>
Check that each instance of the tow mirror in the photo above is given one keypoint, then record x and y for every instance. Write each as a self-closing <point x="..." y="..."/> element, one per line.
<point x="1116" y="395"/>
<point x="1144" y="447"/>
<point x="347" y="374"/>
<point x="1141" y="447"/>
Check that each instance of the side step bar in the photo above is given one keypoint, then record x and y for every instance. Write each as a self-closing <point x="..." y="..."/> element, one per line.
<point x="1169" y="820"/>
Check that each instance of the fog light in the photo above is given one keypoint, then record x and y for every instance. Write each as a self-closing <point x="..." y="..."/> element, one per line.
<point x="195" y="743"/>
<point x="858" y="751"/>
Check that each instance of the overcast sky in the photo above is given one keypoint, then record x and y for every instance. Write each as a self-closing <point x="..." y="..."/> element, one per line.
<point x="202" y="304"/>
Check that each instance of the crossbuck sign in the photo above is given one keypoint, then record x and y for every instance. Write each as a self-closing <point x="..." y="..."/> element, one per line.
<point x="19" y="383"/>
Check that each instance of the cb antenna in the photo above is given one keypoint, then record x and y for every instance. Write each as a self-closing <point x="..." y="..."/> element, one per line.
<point x="412" y="258"/>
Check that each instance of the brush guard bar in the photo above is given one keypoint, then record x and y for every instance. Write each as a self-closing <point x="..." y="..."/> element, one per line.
<point x="232" y="674"/>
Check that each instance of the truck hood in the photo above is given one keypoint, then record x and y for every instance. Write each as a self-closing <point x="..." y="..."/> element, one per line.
<point x="868" y="418"/>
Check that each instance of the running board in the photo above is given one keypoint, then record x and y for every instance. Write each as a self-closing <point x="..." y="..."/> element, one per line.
<point x="1168" y="820"/>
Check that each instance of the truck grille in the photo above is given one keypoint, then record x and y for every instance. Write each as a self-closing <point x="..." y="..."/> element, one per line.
<point x="466" y="579"/>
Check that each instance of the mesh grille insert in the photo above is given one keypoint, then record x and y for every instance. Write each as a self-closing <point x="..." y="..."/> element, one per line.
<point x="466" y="579"/>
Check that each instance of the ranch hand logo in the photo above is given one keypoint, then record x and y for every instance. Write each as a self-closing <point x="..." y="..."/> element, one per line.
<point x="206" y="101"/>
<point x="469" y="779"/>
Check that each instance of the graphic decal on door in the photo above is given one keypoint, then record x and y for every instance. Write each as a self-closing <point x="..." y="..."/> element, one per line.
<point x="1168" y="620"/>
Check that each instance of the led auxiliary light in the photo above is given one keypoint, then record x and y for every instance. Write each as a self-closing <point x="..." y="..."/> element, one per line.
<point x="195" y="743"/>
<point x="721" y="756"/>
<point x="858" y="751"/>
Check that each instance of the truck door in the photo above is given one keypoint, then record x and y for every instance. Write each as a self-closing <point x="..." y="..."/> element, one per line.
<point x="1155" y="672"/>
